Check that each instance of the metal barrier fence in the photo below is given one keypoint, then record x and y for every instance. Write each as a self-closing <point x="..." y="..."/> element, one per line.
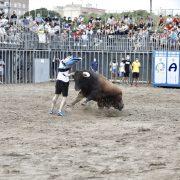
<point x="102" y="42"/>
<point x="18" y="64"/>
<point x="30" y="40"/>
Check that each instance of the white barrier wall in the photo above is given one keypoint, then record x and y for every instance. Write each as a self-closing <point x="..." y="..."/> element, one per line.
<point x="166" y="68"/>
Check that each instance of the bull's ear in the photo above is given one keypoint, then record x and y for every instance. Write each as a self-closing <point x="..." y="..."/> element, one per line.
<point x="86" y="74"/>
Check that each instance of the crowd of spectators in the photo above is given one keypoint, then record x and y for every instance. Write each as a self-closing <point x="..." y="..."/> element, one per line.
<point x="166" y="30"/>
<point x="8" y="28"/>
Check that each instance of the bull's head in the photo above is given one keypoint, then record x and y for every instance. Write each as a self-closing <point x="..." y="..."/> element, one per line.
<point x="119" y="105"/>
<point x="80" y="78"/>
<point x="86" y="74"/>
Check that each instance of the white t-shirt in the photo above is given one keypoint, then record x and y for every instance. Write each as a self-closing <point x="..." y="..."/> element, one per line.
<point x="169" y="20"/>
<point x="121" y="68"/>
<point x="114" y="65"/>
<point x="63" y="76"/>
<point x="2" y="66"/>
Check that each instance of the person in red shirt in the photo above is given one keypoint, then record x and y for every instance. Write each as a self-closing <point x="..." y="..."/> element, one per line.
<point x="176" y="20"/>
<point x="169" y="26"/>
<point x="161" y="20"/>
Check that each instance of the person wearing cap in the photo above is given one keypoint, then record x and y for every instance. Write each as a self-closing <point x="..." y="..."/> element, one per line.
<point x="135" y="71"/>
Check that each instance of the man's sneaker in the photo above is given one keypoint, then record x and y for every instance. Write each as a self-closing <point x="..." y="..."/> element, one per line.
<point x="60" y="113"/>
<point x="50" y="112"/>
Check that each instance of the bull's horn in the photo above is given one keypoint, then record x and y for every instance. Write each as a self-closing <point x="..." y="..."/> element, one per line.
<point x="86" y="74"/>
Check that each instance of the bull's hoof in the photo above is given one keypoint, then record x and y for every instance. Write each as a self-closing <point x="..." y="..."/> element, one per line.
<point x="83" y="104"/>
<point x="51" y="112"/>
<point x="70" y="105"/>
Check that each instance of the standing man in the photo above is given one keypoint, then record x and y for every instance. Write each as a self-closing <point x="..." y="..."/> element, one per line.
<point x="2" y="64"/>
<point x="114" y="69"/>
<point x="127" y="64"/>
<point x="122" y="70"/>
<point x="135" y="71"/>
<point x="94" y="65"/>
<point x="14" y="18"/>
<point x="62" y="83"/>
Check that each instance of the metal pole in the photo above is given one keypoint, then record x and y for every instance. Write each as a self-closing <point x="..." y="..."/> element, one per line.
<point x="150" y="6"/>
<point x="9" y="8"/>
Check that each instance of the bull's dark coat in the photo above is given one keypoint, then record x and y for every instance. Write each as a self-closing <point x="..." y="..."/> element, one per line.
<point x="97" y="88"/>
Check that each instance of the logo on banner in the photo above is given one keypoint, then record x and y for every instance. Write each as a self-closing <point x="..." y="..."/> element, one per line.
<point x="173" y="66"/>
<point x="160" y="67"/>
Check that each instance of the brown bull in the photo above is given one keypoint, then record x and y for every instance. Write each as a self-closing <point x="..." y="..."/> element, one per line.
<point x="95" y="87"/>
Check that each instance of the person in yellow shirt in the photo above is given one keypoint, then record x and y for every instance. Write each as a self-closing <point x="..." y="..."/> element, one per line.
<point x="135" y="71"/>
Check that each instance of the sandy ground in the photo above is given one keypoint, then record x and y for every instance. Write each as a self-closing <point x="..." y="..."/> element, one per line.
<point x="141" y="142"/>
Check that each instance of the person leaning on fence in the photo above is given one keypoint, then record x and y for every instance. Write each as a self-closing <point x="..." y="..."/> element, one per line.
<point x="135" y="71"/>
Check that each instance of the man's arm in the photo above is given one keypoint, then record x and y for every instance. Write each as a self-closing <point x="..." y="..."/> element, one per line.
<point x="70" y="74"/>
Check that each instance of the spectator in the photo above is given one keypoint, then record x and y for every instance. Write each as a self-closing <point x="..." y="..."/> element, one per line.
<point x="39" y="19"/>
<point x="84" y="38"/>
<point x="122" y="70"/>
<point x="173" y="38"/>
<point x="113" y="69"/>
<point x="127" y="64"/>
<point x="14" y="18"/>
<point x="2" y="64"/>
<point x="94" y="65"/>
<point x="135" y="71"/>
<point x="1" y="13"/>
<point x="141" y="23"/>
<point x="176" y="20"/>
<point x="169" y="19"/>
<point x="163" y="38"/>
<point x="48" y="19"/>
<point x="25" y="22"/>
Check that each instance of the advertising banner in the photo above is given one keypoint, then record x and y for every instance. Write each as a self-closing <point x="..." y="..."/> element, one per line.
<point x="173" y="68"/>
<point x="160" y="67"/>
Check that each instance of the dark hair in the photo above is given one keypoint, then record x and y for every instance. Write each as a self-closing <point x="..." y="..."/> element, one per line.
<point x="69" y="53"/>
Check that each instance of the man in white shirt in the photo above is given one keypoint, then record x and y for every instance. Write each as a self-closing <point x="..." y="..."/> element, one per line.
<point x="122" y="69"/>
<point x="62" y="82"/>
<point x="169" y="19"/>
<point x="2" y="64"/>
